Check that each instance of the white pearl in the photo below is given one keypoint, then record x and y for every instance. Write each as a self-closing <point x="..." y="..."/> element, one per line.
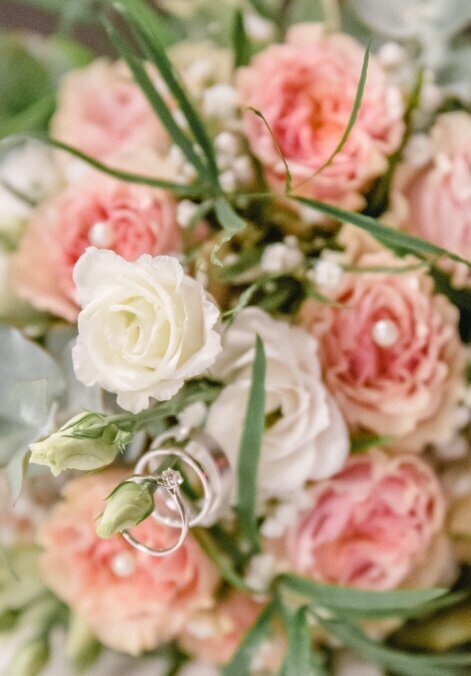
<point x="101" y="235"/>
<point x="123" y="564"/>
<point x="385" y="333"/>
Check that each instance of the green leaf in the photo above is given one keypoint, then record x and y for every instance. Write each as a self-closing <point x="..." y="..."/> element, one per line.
<point x="33" y="118"/>
<point x="250" y="449"/>
<point x="288" y="177"/>
<point x="137" y="67"/>
<point x="179" y="189"/>
<point x="146" y="26"/>
<point x="351" y="121"/>
<point x="299" y="656"/>
<point x="388" y="236"/>
<point x="240" y="41"/>
<point x="240" y="665"/>
<point x="30" y="382"/>
<point x="361" y="601"/>
<point x="398" y="661"/>
<point x="231" y="223"/>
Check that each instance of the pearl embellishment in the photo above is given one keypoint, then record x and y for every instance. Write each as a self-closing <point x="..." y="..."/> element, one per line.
<point x="123" y="564"/>
<point x="385" y="333"/>
<point x="101" y="235"/>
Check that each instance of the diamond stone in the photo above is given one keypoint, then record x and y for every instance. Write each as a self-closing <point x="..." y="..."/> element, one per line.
<point x="171" y="478"/>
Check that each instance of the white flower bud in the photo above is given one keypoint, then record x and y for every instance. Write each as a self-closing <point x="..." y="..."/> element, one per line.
<point x="220" y="101"/>
<point x="280" y="258"/>
<point x="227" y="143"/>
<point x="391" y="55"/>
<point x="243" y="169"/>
<point x="228" y="181"/>
<point x="186" y="211"/>
<point x="259" y="29"/>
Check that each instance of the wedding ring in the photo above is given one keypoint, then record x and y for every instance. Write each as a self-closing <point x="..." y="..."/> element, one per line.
<point x="170" y="480"/>
<point x="207" y="461"/>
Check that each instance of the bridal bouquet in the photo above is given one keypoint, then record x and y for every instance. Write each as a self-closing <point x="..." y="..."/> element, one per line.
<point x="235" y="301"/>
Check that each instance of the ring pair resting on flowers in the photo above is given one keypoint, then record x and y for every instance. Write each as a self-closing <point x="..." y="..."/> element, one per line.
<point x="204" y="457"/>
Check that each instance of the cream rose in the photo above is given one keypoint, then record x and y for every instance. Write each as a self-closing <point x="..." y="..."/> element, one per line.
<point x="305" y="436"/>
<point x="145" y="326"/>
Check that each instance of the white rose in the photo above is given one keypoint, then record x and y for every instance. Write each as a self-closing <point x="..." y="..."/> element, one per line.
<point x="145" y="327"/>
<point x="306" y="437"/>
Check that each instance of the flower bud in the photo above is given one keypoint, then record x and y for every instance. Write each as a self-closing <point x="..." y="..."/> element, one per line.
<point x="87" y="442"/>
<point x="129" y="504"/>
<point x="30" y="658"/>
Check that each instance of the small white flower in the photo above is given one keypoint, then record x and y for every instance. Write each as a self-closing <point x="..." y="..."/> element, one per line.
<point x="326" y="275"/>
<point x="228" y="180"/>
<point x="220" y="101"/>
<point x="193" y="416"/>
<point x="144" y="329"/>
<point x="227" y="143"/>
<point x="243" y="169"/>
<point x="259" y="29"/>
<point x="456" y="448"/>
<point x="280" y="257"/>
<point x="186" y="211"/>
<point x="311" y="216"/>
<point x="261" y="571"/>
<point x="391" y="55"/>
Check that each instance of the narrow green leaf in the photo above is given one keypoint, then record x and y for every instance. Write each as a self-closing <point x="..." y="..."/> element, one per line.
<point x="398" y="661"/>
<point x="288" y="177"/>
<point x="240" y="665"/>
<point x="351" y="121"/>
<point x="250" y="448"/>
<point x="144" y="21"/>
<point x="298" y="659"/>
<point x="243" y="300"/>
<point x="388" y="236"/>
<point x="137" y="67"/>
<point x="240" y="41"/>
<point x="230" y="221"/>
<point x="194" y="190"/>
<point x="364" y="601"/>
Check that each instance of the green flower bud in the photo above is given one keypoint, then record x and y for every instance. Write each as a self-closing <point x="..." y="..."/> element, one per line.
<point x="129" y="504"/>
<point x="87" y="442"/>
<point x="30" y="659"/>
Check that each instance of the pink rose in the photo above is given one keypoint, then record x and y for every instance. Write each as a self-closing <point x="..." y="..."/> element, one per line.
<point x="101" y="111"/>
<point x="370" y="525"/>
<point x="306" y="89"/>
<point x="392" y="356"/>
<point x="130" y="600"/>
<point x="431" y="195"/>
<point x="100" y="211"/>
<point x="214" y="635"/>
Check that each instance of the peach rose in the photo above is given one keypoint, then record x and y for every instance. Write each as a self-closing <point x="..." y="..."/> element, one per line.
<point x="100" y="211"/>
<point x="306" y="89"/>
<point x="102" y="111"/>
<point x="214" y="635"/>
<point x="130" y="600"/>
<point x="370" y="525"/>
<point x="431" y="196"/>
<point x="392" y="355"/>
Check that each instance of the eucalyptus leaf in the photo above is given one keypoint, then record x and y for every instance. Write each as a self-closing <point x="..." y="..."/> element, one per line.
<point x="30" y="382"/>
<point x="250" y="449"/>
